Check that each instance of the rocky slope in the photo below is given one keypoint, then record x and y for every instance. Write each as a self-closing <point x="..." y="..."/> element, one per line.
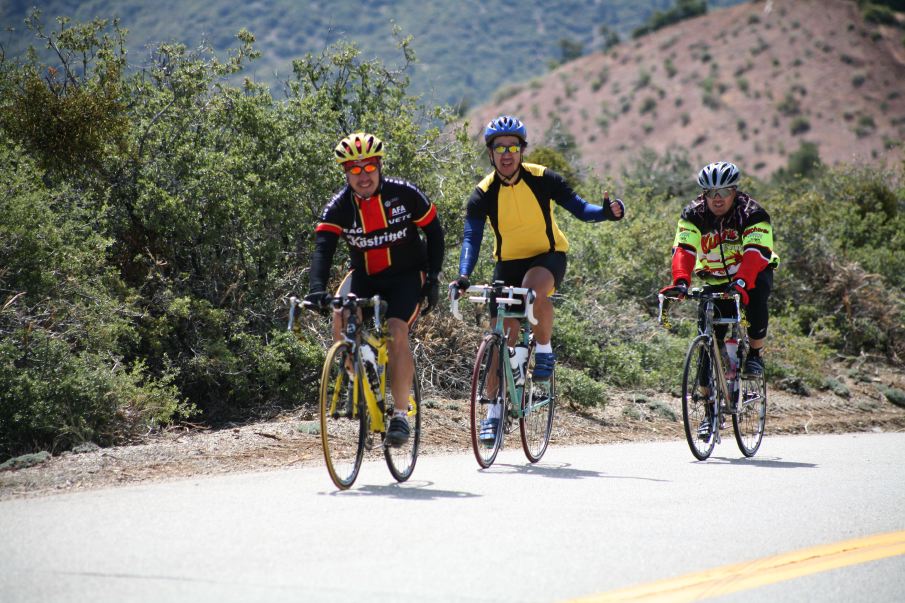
<point x="749" y="84"/>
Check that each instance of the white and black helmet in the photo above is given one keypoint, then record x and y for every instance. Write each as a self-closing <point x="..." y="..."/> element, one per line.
<point x="718" y="175"/>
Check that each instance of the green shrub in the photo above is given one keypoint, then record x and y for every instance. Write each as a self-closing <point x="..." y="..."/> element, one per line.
<point x="895" y="395"/>
<point x="799" y="125"/>
<point x="647" y="105"/>
<point x="876" y="13"/>
<point x="579" y="389"/>
<point x="837" y="387"/>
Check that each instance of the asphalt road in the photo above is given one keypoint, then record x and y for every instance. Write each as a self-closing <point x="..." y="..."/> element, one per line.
<point x="584" y="522"/>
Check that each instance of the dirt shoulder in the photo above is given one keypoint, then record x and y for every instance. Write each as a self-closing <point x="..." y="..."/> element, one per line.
<point x="187" y="451"/>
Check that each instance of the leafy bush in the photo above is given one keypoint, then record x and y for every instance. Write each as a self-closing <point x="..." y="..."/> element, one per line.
<point x="876" y="13"/>
<point x="799" y="125"/>
<point x="683" y="9"/>
<point x="577" y="388"/>
<point x="895" y="395"/>
<point x="146" y="259"/>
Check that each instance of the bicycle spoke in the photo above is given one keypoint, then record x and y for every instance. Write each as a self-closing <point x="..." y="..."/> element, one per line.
<point x="536" y="422"/>
<point x="401" y="460"/>
<point x="698" y="388"/>
<point x="748" y="423"/>
<point x="343" y="426"/>
<point x="486" y="367"/>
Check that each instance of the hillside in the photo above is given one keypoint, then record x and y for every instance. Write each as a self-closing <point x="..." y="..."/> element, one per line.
<point x="764" y="78"/>
<point x="466" y="49"/>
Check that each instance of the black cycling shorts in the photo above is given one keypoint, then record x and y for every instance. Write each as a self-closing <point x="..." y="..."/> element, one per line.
<point x="512" y="272"/>
<point x="402" y="292"/>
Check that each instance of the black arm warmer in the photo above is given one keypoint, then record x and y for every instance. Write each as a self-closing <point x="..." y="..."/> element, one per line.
<point x="321" y="260"/>
<point x="436" y="246"/>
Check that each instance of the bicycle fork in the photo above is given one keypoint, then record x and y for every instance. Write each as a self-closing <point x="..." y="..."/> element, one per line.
<point x="720" y="390"/>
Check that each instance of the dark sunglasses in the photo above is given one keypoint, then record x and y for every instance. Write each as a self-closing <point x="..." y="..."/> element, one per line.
<point x="722" y="193"/>
<point x="513" y="148"/>
<point x="369" y="168"/>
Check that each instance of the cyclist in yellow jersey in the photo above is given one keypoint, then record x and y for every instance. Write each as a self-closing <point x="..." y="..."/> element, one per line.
<point x="725" y="237"/>
<point x="518" y="199"/>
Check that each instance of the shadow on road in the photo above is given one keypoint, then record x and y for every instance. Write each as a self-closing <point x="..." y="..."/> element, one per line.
<point x="768" y="462"/>
<point x="411" y="490"/>
<point x="560" y="471"/>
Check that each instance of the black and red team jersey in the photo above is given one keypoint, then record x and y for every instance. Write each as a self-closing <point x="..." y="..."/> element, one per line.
<point x="381" y="231"/>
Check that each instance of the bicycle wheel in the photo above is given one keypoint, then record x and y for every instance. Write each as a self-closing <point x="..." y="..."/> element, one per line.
<point x="401" y="460"/>
<point x="537" y="406"/>
<point x="343" y="427"/>
<point x="485" y="452"/>
<point x="748" y="423"/>
<point x="697" y="407"/>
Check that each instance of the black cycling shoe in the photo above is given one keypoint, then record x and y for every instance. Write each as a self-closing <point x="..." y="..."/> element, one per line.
<point x="754" y="365"/>
<point x="398" y="433"/>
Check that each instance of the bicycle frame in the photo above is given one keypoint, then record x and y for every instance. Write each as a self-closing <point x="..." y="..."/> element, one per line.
<point x="708" y="395"/>
<point x="355" y="334"/>
<point x="504" y="297"/>
<point x="706" y="322"/>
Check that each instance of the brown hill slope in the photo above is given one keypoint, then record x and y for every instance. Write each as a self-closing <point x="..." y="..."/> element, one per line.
<point x="748" y="84"/>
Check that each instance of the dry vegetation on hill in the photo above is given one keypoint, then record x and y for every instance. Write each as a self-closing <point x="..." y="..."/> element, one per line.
<point x="749" y="83"/>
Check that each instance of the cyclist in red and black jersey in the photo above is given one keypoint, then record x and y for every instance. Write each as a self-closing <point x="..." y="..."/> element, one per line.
<point x="379" y="218"/>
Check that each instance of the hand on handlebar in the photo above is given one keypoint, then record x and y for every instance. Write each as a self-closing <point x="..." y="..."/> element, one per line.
<point x="462" y="283"/>
<point x="317" y="300"/>
<point x="739" y="287"/>
<point x="678" y="290"/>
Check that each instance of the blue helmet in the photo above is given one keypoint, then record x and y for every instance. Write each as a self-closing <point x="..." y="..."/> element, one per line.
<point x="505" y="125"/>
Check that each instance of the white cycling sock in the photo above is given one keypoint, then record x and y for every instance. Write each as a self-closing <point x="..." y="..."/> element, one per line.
<point x="544" y="348"/>
<point x="401" y="413"/>
<point x="494" y="411"/>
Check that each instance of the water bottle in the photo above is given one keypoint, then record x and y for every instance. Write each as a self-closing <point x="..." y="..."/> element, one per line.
<point x="370" y="358"/>
<point x="518" y="357"/>
<point x="732" y="353"/>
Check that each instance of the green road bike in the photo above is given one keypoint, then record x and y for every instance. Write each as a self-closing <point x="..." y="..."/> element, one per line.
<point x="714" y="385"/>
<point x="495" y="380"/>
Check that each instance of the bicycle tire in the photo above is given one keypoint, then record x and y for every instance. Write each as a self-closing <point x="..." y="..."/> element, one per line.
<point x="401" y="461"/>
<point x="343" y="428"/>
<point x="537" y="410"/>
<point x="748" y="423"/>
<point x="694" y="404"/>
<point x="490" y="346"/>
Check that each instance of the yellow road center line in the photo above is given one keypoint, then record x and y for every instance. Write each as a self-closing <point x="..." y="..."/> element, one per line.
<point x="760" y="572"/>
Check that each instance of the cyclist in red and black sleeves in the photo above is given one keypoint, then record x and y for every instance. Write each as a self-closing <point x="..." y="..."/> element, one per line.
<point x="379" y="218"/>
<point x="725" y="237"/>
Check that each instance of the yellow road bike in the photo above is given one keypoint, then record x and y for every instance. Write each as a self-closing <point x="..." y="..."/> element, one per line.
<point x="355" y="404"/>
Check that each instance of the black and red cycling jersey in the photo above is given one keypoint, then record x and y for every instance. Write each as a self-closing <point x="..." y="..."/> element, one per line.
<point x="381" y="231"/>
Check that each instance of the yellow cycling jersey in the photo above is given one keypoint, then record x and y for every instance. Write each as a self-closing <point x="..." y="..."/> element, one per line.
<point x="521" y="214"/>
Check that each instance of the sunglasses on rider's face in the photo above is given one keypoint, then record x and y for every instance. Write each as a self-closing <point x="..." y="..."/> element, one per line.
<point x="722" y="193"/>
<point x="355" y="170"/>
<point x="500" y="149"/>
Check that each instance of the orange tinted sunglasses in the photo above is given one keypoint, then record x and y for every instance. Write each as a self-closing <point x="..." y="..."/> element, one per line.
<point x="355" y="170"/>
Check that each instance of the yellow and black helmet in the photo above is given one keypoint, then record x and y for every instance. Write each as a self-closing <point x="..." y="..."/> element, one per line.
<point x="358" y="146"/>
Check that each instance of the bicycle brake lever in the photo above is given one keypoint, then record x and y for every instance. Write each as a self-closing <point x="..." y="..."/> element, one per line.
<point x="454" y="301"/>
<point x="293" y="303"/>
<point x="529" y="306"/>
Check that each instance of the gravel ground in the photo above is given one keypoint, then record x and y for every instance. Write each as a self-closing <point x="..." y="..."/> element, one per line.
<point x="285" y="441"/>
